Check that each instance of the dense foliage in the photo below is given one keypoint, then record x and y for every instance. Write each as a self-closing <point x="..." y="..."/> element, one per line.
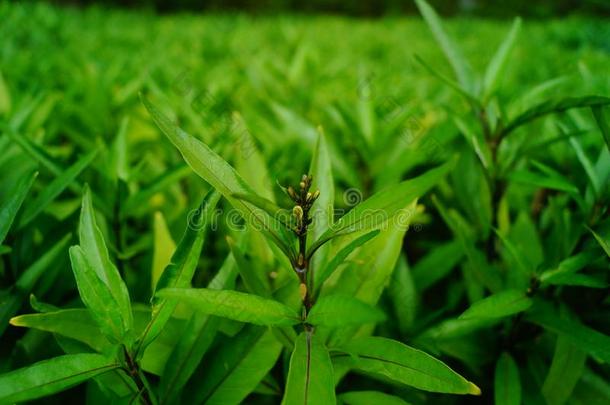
<point x="312" y="210"/>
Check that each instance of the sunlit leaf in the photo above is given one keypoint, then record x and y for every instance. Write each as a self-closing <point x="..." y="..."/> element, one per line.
<point x="234" y="305"/>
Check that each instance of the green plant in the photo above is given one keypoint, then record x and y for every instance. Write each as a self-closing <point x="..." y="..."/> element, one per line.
<point x="511" y="284"/>
<point x="464" y="219"/>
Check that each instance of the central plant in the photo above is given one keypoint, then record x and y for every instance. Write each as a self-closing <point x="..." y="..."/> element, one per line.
<point x="327" y="331"/>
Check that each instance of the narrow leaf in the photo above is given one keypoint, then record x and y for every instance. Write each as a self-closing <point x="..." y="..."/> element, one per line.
<point x="377" y="210"/>
<point x="341" y="310"/>
<point x="181" y="267"/>
<point x="602" y="123"/>
<point x="235" y="305"/>
<point x="400" y="363"/>
<point x="234" y="369"/>
<point x="323" y="211"/>
<point x="370" y="397"/>
<point x="12" y="200"/>
<point x="96" y="296"/>
<point x="554" y="106"/>
<point x="252" y="280"/>
<point x="55" y="188"/>
<point x="566" y="369"/>
<point x="499" y="305"/>
<point x="77" y="324"/>
<point x="196" y="339"/>
<point x="325" y="272"/>
<point x="589" y="340"/>
<point x="216" y="171"/>
<point x="310" y="376"/>
<point x="164" y="247"/>
<point x="604" y="243"/>
<point x="50" y="376"/>
<point x="452" y="52"/>
<point x="507" y="386"/>
<point x="94" y="249"/>
<point x="498" y="62"/>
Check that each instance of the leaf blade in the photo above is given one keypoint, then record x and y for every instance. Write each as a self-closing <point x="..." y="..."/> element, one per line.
<point x="403" y="364"/>
<point x="235" y="305"/>
<point x="51" y="376"/>
<point x="310" y="375"/>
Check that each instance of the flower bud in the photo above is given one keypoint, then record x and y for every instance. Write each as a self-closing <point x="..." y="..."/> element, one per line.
<point x="291" y="193"/>
<point x="298" y="212"/>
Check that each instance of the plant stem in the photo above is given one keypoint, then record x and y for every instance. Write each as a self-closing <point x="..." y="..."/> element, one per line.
<point x="133" y="369"/>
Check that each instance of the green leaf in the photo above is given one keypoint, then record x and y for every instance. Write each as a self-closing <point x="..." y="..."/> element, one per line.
<point x="327" y="270"/>
<point x="323" y="211"/>
<point x="140" y="199"/>
<point x="234" y="369"/>
<point x="341" y="310"/>
<point x="449" y="82"/>
<point x="12" y="200"/>
<point x="164" y="248"/>
<point x="195" y="340"/>
<point x="252" y="280"/>
<point x="605" y="244"/>
<point x="452" y="52"/>
<point x="179" y="272"/>
<point x="567" y="268"/>
<point x="553" y="106"/>
<point x="216" y="171"/>
<point x="5" y="97"/>
<point x="404" y="296"/>
<point x="499" y="305"/>
<point x="50" y="376"/>
<point x="30" y="276"/>
<point x="389" y="359"/>
<point x="77" y="324"/>
<point x="507" y="386"/>
<point x="377" y="210"/>
<point x="235" y="305"/>
<point x="26" y="282"/>
<point x="55" y="188"/>
<point x="586" y="165"/>
<point x="566" y="369"/>
<point x="310" y="376"/>
<point x="550" y="179"/>
<point x="437" y="264"/>
<point x="93" y="248"/>
<point x="602" y="123"/>
<point x="369" y="398"/>
<point x="498" y="62"/>
<point x="96" y="296"/>
<point x="585" y="338"/>
<point x="271" y="208"/>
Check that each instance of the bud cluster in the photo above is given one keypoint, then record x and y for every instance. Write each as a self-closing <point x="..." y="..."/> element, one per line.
<point x="303" y="199"/>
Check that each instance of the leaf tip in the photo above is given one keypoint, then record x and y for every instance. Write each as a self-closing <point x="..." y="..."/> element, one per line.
<point x="473" y="389"/>
<point x="15" y="321"/>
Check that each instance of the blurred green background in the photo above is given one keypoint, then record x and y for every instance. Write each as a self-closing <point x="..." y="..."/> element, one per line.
<point x="536" y="8"/>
